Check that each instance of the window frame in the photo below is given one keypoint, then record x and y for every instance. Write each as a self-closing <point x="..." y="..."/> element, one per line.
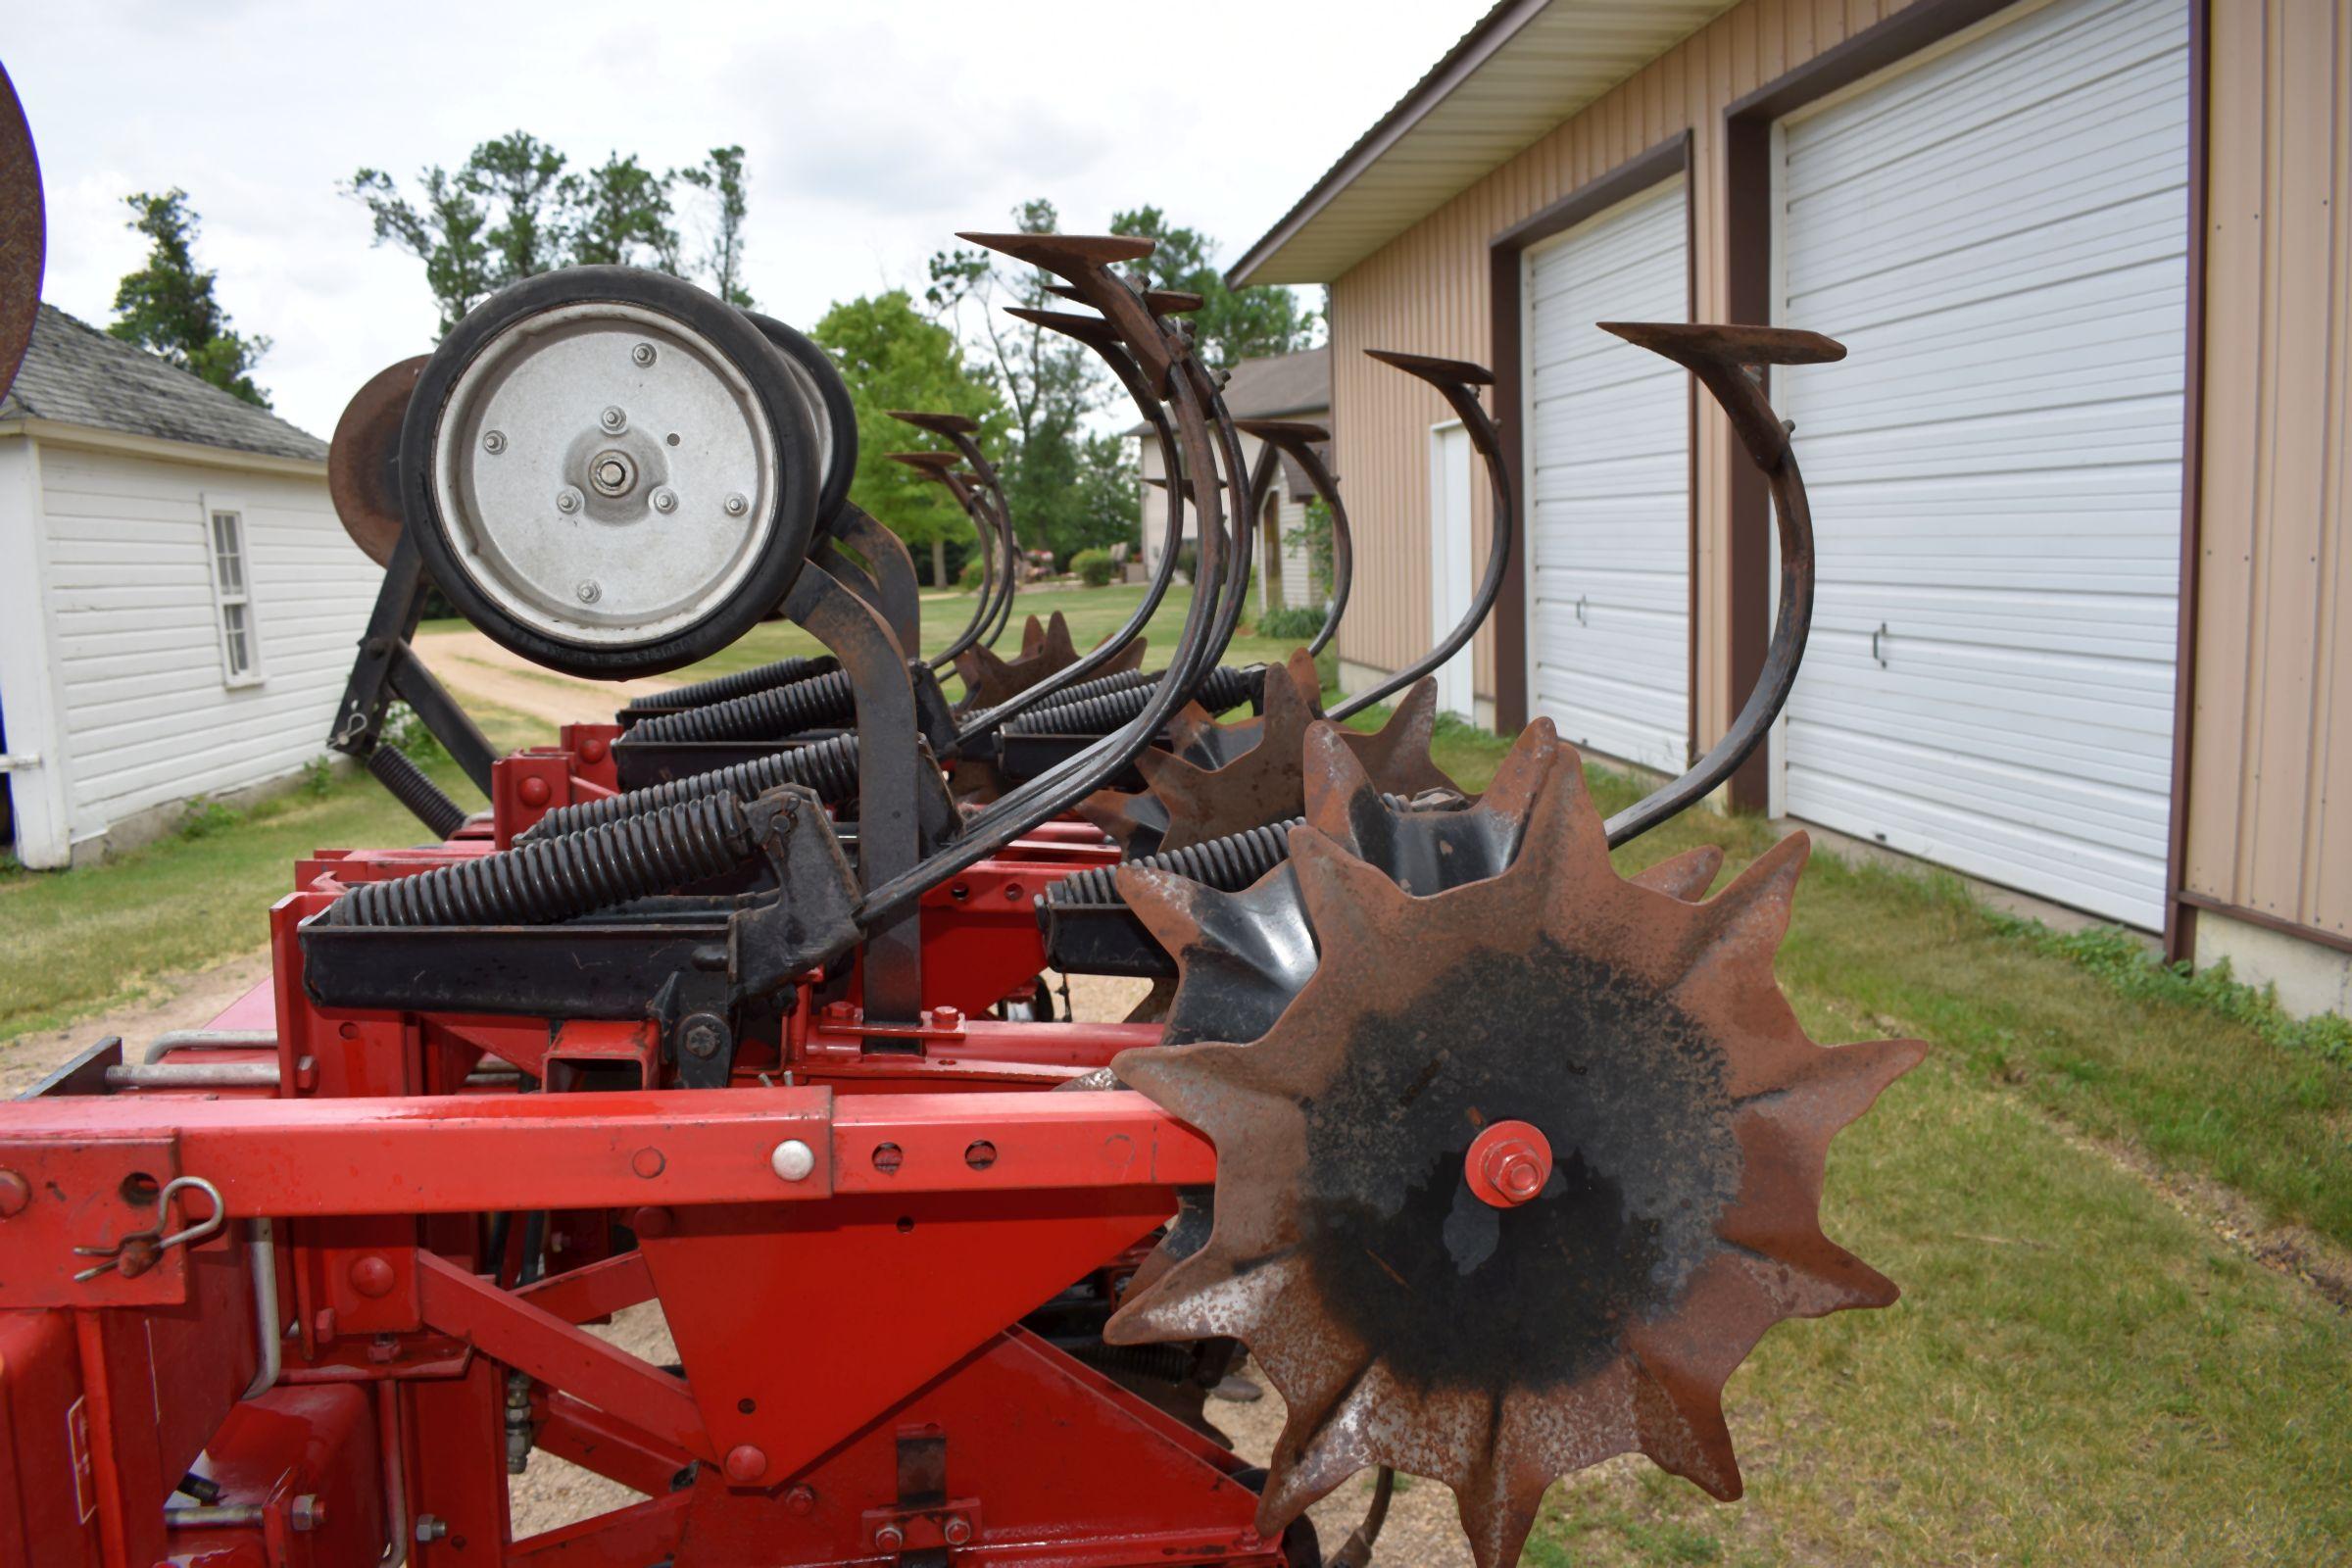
<point x="226" y="598"/>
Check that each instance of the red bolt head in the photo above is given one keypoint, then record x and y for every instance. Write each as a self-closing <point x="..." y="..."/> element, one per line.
<point x="956" y="1531"/>
<point x="371" y="1277"/>
<point x="746" y="1464"/>
<point x="840" y="1011"/>
<point x="651" y="1221"/>
<point x="801" y="1500"/>
<point x="15" y="1194"/>
<point x="1509" y="1164"/>
<point x="593" y="748"/>
<point x="889" y="1538"/>
<point x="947" y="1017"/>
<point x="533" y="790"/>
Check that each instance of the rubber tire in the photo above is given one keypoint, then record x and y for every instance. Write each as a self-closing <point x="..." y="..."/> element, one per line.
<point x="733" y="334"/>
<point x="841" y="414"/>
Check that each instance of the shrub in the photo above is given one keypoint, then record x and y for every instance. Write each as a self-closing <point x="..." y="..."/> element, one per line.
<point x="1291" y="623"/>
<point x="975" y="569"/>
<point x="1187" y="559"/>
<point x="1094" y="567"/>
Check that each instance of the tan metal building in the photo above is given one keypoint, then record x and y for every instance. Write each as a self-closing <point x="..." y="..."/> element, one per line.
<point x="2084" y="625"/>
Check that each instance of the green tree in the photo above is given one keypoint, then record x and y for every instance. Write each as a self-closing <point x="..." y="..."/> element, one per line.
<point x="1050" y="381"/>
<point x="167" y="307"/>
<point x="895" y="358"/>
<point x="516" y="208"/>
<point x="1232" y="325"/>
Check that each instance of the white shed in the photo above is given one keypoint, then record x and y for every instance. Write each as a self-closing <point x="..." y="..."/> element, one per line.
<point x="178" y="604"/>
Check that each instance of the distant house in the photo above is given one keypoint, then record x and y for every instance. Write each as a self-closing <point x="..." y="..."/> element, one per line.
<point x="1283" y="386"/>
<point x="178" y="604"/>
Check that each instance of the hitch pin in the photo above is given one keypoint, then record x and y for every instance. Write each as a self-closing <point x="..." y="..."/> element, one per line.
<point x="136" y="1253"/>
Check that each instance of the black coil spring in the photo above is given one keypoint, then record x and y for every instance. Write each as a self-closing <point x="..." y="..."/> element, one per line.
<point x="827" y="767"/>
<point x="1083" y="711"/>
<point x="772" y="714"/>
<point x="1228" y="864"/>
<point x="722" y="687"/>
<point x="539" y="884"/>
<point x="407" y="785"/>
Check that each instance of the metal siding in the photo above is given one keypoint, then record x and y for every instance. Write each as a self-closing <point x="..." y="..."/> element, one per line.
<point x="1608" y="477"/>
<point x="1402" y="296"/>
<point x="1998" y="236"/>
<point x="2269" y="825"/>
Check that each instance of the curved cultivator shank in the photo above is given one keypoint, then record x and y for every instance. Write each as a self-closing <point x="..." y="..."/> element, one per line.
<point x="1662" y="1114"/>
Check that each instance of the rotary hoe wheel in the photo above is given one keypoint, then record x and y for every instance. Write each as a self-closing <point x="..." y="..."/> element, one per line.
<point x="990" y="679"/>
<point x="1220" y="779"/>
<point x="1525" y="1156"/>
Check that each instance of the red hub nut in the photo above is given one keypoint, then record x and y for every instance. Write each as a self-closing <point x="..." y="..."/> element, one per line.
<point x="1509" y="1164"/>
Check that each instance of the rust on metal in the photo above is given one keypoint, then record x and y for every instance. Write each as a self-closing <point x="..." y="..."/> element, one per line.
<point x="990" y="679"/>
<point x="1687" y="1116"/>
<point x="360" y="477"/>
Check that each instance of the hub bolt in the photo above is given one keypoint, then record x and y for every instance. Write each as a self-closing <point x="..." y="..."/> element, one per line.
<point x="643" y="354"/>
<point x="737" y="506"/>
<point x="568" y="499"/>
<point x="664" y="501"/>
<point x="889" y="1538"/>
<point x="614" y="420"/>
<point x="494" y="442"/>
<point x="793" y="1161"/>
<point x="1509" y="1164"/>
<point x="589" y="591"/>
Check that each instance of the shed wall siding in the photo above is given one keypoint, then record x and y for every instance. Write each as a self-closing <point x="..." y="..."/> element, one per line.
<point x="2270" y="827"/>
<point x="1426" y="292"/>
<point x="146" y="715"/>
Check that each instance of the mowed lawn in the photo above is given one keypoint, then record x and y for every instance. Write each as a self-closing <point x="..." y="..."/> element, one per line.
<point x="2085" y="1367"/>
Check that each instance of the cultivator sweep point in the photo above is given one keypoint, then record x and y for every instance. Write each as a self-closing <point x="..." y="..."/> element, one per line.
<point x="1497" y="1163"/>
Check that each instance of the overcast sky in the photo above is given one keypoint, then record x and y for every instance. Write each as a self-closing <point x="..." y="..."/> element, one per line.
<point x="872" y="131"/>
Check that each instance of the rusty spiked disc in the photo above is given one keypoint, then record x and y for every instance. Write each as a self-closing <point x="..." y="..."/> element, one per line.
<point x="359" y="477"/>
<point x="1521" y="1175"/>
<point x="990" y="679"/>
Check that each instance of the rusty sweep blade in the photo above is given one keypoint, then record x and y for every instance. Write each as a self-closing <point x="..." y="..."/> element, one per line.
<point x="1522" y="1174"/>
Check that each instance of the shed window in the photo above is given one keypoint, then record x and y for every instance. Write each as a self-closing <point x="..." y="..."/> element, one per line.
<point x="240" y="646"/>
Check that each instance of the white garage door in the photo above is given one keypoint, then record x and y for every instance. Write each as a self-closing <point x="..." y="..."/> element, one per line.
<point x="1608" y="468"/>
<point x="1998" y="236"/>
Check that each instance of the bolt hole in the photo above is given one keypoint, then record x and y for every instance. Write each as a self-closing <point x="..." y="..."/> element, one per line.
<point x="1012" y="891"/>
<point x="888" y="1158"/>
<point x="980" y="1155"/>
<point x="960" y="893"/>
<point x="905" y="1224"/>
<point x="672" y="438"/>
<point x="139" y="1189"/>
<point x="746" y="1406"/>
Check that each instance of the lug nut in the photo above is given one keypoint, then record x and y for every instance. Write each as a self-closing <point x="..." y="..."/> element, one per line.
<point x="589" y="591"/>
<point x="430" y="1528"/>
<point x="664" y="501"/>
<point x="614" y="419"/>
<point x="737" y="506"/>
<point x="567" y="501"/>
<point x="306" y="1514"/>
<point x="643" y="354"/>
<point x="494" y="442"/>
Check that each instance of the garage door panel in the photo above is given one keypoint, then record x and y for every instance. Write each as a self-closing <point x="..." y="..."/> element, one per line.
<point x="1608" y="504"/>
<point x="1999" y="238"/>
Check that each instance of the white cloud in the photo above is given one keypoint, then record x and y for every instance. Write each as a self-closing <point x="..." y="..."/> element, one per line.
<point x="872" y="133"/>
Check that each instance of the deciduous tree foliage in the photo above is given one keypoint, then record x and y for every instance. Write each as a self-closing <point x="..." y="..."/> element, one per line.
<point x="893" y="356"/>
<point x="1232" y="325"/>
<point x="516" y="208"/>
<point x="168" y="306"/>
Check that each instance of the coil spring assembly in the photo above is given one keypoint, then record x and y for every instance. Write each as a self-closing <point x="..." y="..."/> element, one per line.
<point x="723" y="688"/>
<point x="412" y="789"/>
<point x="827" y="767"/>
<point x="1228" y="864"/>
<point x="1099" y="706"/>
<point x="770" y="714"/>
<point x="539" y="884"/>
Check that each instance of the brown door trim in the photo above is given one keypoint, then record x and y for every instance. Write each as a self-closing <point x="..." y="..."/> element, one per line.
<point x="2181" y="909"/>
<point x="2192" y="901"/>
<point x="1636" y="174"/>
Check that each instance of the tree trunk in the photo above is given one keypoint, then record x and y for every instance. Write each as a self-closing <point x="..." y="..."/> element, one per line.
<point x="939" y="562"/>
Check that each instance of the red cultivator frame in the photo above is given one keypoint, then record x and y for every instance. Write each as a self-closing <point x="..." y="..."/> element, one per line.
<point x="1496" y="1161"/>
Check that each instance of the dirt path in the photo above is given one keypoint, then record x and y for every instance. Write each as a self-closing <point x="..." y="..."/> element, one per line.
<point x="470" y="665"/>
<point x="189" y="1000"/>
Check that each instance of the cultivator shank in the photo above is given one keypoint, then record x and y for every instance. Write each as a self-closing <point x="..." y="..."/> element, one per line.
<point x="1494" y="1162"/>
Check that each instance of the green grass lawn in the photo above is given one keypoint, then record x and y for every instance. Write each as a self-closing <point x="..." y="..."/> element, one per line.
<point x="2081" y="1370"/>
<point x="85" y="941"/>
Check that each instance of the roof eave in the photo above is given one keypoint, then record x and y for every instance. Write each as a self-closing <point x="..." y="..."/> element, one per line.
<point x="97" y="438"/>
